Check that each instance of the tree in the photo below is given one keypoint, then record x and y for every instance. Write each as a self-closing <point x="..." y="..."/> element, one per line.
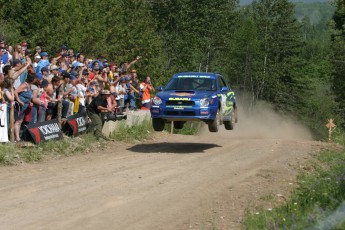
<point x="338" y="47"/>
<point x="195" y="32"/>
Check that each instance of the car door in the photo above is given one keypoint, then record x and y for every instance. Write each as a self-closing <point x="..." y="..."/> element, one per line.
<point x="227" y="98"/>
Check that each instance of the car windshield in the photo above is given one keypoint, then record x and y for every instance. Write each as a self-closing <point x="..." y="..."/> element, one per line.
<point x="200" y="84"/>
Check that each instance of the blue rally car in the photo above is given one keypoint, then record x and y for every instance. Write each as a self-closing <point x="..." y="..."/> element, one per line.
<point x="195" y="96"/>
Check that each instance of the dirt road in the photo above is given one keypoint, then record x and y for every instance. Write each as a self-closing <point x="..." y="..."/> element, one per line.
<point x="173" y="182"/>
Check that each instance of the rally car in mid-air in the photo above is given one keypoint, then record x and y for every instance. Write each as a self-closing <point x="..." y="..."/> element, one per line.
<point x="195" y="96"/>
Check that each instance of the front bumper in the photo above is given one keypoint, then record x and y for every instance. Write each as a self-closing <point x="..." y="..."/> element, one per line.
<point x="181" y="113"/>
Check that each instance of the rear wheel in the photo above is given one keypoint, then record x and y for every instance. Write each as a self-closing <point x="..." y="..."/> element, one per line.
<point x="158" y="124"/>
<point x="229" y="125"/>
<point x="178" y="124"/>
<point x="213" y="125"/>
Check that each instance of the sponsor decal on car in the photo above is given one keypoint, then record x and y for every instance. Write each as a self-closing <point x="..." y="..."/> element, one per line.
<point x="179" y="99"/>
<point x="194" y="76"/>
<point x="184" y="94"/>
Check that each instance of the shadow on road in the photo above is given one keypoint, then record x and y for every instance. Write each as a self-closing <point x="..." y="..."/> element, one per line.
<point x="179" y="148"/>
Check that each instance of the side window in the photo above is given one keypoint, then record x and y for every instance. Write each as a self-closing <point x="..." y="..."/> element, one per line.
<point x="221" y="82"/>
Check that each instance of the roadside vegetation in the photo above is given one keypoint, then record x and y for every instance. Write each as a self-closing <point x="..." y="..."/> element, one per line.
<point x="139" y="131"/>
<point x="12" y="154"/>
<point x="189" y="128"/>
<point x="318" y="202"/>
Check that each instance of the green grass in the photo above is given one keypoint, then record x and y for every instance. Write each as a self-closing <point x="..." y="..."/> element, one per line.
<point x="11" y="154"/>
<point x="189" y="128"/>
<point x="143" y="130"/>
<point x="139" y="131"/>
<point x="317" y="203"/>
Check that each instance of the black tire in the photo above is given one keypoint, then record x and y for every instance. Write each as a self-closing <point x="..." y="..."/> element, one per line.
<point x="158" y="124"/>
<point x="213" y="125"/>
<point x="178" y="124"/>
<point x="228" y="125"/>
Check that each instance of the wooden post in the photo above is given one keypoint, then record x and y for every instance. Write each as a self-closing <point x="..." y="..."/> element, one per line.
<point x="172" y="127"/>
<point x="59" y="112"/>
<point x="331" y="126"/>
<point x="12" y="123"/>
<point x="12" y="120"/>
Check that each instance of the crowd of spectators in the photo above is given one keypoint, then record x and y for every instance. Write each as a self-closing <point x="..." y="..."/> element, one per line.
<point x="34" y="81"/>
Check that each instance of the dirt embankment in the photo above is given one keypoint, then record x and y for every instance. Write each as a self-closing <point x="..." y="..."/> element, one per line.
<point x="172" y="182"/>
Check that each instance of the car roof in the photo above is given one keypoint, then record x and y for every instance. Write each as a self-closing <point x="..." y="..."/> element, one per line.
<point x="196" y="74"/>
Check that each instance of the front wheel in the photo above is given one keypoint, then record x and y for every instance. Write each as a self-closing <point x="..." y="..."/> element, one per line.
<point x="213" y="125"/>
<point x="158" y="124"/>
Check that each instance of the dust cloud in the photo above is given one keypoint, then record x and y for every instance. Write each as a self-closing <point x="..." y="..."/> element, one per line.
<point x="262" y="122"/>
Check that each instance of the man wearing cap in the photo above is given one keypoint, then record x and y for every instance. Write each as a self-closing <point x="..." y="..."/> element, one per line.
<point x="24" y="46"/>
<point x="54" y="70"/>
<point x="45" y="74"/>
<point x="20" y="71"/>
<point x="37" y="58"/>
<point x="44" y="62"/>
<point x="64" y="49"/>
<point x="4" y="55"/>
<point x="94" y="109"/>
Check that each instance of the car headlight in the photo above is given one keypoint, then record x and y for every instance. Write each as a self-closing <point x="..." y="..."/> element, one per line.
<point x="156" y="100"/>
<point x="204" y="102"/>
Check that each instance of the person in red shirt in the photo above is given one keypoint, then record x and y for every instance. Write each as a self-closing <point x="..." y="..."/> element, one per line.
<point x="146" y="88"/>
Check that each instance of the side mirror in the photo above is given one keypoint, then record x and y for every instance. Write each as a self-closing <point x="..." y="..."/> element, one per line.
<point x="160" y="88"/>
<point x="224" y="89"/>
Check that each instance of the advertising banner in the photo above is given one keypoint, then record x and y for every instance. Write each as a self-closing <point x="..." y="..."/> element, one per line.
<point x="76" y="124"/>
<point x="44" y="131"/>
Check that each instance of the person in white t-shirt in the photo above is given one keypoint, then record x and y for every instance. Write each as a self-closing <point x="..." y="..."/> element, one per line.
<point x="121" y="91"/>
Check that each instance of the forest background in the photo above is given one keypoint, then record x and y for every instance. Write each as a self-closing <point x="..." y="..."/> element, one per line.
<point x="290" y="54"/>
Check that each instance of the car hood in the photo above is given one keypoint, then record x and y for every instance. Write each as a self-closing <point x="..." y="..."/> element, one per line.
<point x="165" y="95"/>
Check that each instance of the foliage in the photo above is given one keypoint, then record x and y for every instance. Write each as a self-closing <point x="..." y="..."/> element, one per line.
<point x="195" y="32"/>
<point x="119" y="30"/>
<point x="317" y="203"/>
<point x="12" y="154"/>
<point x="338" y="45"/>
